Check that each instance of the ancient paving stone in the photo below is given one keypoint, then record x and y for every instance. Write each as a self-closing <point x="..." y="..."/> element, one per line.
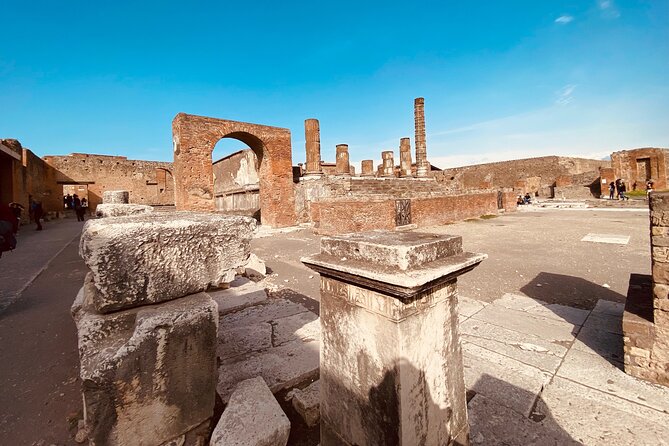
<point x="596" y="372"/>
<point x="607" y="238"/>
<point x="609" y="307"/>
<point x="494" y="424"/>
<point x="467" y="306"/>
<point x="253" y="417"/>
<point x="152" y="258"/>
<point x="531" y="350"/>
<point x="505" y="380"/>
<point x="605" y="322"/>
<point x="238" y="297"/>
<point x="121" y="210"/>
<point x="149" y="374"/>
<point x="524" y="322"/>
<point x="594" y="417"/>
<point x="282" y="367"/>
<point x="244" y="340"/>
<point x="600" y="342"/>
<point x="271" y="310"/>
<point x="302" y="326"/>
<point x="307" y="403"/>
<point x="571" y="315"/>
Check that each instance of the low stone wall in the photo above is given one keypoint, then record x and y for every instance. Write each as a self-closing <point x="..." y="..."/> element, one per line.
<point x="340" y="216"/>
<point x="646" y="317"/>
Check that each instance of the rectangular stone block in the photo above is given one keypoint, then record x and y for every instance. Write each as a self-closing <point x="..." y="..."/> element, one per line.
<point x="660" y="272"/>
<point x="121" y="210"/>
<point x="659" y="202"/>
<point x="253" y="417"/>
<point x="657" y="240"/>
<point x="145" y="259"/>
<point x="148" y="374"/>
<point x="116" y="197"/>
<point x="660" y="254"/>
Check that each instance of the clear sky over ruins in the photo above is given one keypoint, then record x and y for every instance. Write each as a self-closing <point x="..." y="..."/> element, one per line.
<point x="501" y="79"/>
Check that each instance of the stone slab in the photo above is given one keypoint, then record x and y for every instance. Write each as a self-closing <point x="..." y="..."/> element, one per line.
<point x="253" y="417"/>
<point x="598" y="418"/>
<point x="121" y="210"/>
<point x="551" y="329"/>
<point x="238" y="341"/>
<point x="281" y="367"/>
<point x="467" y="306"/>
<point x="507" y="381"/>
<point x="609" y="307"/>
<point x="152" y="258"/>
<point x="600" y="342"/>
<point x="238" y="297"/>
<point x="528" y="349"/>
<point x="605" y="322"/>
<point x="494" y="424"/>
<point x="148" y="374"/>
<point x="307" y="403"/>
<point x="270" y="310"/>
<point x="571" y="315"/>
<point x="596" y="372"/>
<point x="607" y="238"/>
<point x="304" y="326"/>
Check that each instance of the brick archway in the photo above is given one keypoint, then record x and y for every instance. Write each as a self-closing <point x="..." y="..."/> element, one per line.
<point x="194" y="139"/>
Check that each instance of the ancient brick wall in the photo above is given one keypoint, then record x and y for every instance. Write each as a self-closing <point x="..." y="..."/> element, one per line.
<point x="194" y="141"/>
<point x="149" y="182"/>
<point x="344" y="216"/>
<point x="638" y="165"/>
<point x="646" y="317"/>
<point x="506" y="174"/>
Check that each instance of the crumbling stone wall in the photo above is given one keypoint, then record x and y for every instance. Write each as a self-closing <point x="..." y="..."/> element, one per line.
<point x="149" y="182"/>
<point x="194" y="141"/>
<point x="236" y="182"/>
<point x="646" y="317"/>
<point x="638" y="165"/>
<point x="506" y="174"/>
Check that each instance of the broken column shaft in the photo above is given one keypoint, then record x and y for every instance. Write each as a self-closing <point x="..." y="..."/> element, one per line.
<point x="388" y="163"/>
<point x="312" y="134"/>
<point x="391" y="362"/>
<point x="405" y="158"/>
<point x="422" y="167"/>
<point x="367" y="167"/>
<point x="343" y="167"/>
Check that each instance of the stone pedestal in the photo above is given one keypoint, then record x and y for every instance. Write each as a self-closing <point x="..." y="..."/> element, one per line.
<point x="116" y="197"/>
<point x="405" y="158"/>
<point x="343" y="167"/>
<point x="367" y="167"/>
<point x="388" y="163"/>
<point x="422" y="166"/>
<point x="312" y="135"/>
<point x="391" y="363"/>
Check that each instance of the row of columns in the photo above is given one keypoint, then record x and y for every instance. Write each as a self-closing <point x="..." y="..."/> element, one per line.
<point x="313" y="147"/>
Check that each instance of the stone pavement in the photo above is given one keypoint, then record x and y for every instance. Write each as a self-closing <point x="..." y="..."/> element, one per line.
<point x="34" y="251"/>
<point x="550" y="374"/>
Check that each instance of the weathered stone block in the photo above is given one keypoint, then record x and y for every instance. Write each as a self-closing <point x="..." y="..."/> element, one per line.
<point x="660" y="272"/>
<point x="148" y="374"/>
<point x="121" y="210"/>
<point x="660" y="291"/>
<point x="253" y="417"/>
<point x="660" y="254"/>
<point x="659" y="201"/>
<point x="146" y="259"/>
<point x="307" y="403"/>
<point x="116" y="197"/>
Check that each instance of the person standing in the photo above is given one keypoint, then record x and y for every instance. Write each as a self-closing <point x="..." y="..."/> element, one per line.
<point x="649" y="188"/>
<point x="9" y="226"/>
<point x="77" y="208"/>
<point x="38" y="213"/>
<point x="612" y="190"/>
<point x="621" y="191"/>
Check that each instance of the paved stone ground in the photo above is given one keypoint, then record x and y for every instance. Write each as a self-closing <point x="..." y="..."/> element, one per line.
<point x="540" y="373"/>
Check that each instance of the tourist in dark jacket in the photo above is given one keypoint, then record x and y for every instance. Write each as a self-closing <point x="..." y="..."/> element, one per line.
<point x="9" y="226"/>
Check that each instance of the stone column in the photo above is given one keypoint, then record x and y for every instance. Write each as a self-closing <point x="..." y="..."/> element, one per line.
<point x="422" y="166"/>
<point x="312" y="135"/>
<point x="388" y="163"/>
<point x="405" y="158"/>
<point x="116" y="197"/>
<point x="367" y="168"/>
<point x="343" y="167"/>
<point x="391" y="362"/>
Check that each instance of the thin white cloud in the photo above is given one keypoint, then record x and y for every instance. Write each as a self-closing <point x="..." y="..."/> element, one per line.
<point x="608" y="8"/>
<point x="564" y="19"/>
<point x="565" y="95"/>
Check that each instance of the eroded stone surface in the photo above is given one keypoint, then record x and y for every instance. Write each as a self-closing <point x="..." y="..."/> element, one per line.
<point x="121" y="210"/>
<point x="253" y="417"/>
<point x="307" y="403"/>
<point x="115" y="197"/>
<point x="148" y="374"/>
<point x="242" y="293"/>
<point x="146" y="259"/>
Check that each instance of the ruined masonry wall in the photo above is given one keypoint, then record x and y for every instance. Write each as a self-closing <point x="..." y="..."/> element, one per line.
<point x="149" y="182"/>
<point x="632" y="165"/>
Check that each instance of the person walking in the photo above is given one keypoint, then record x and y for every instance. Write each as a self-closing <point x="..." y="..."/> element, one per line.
<point x="649" y="188"/>
<point x="621" y="191"/>
<point x="38" y="213"/>
<point x="612" y="190"/>
<point x="77" y="207"/>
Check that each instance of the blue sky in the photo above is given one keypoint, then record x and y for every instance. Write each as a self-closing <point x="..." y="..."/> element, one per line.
<point x="501" y="79"/>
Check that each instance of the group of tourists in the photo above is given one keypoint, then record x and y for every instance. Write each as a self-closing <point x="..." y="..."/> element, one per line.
<point x="620" y="188"/>
<point x="10" y="219"/>
<point x="80" y="206"/>
<point x="524" y="199"/>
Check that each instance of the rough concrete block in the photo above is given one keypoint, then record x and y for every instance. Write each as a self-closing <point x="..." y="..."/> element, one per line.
<point x="115" y="197"/>
<point x="121" y="210"/>
<point x="253" y="417"/>
<point x="148" y="374"/>
<point x="146" y="259"/>
<point x="307" y="403"/>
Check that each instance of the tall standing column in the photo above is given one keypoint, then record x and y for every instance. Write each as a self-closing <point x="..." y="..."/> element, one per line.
<point x="388" y="163"/>
<point x="405" y="158"/>
<point x="422" y="167"/>
<point x="391" y="367"/>
<point x="343" y="167"/>
<point x="312" y="135"/>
